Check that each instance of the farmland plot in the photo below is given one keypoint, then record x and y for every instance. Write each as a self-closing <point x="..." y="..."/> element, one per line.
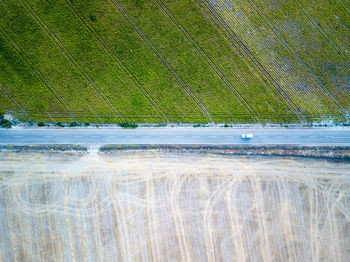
<point x="162" y="61"/>
<point x="172" y="207"/>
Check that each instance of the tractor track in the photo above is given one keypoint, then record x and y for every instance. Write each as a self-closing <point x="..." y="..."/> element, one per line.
<point x="59" y="43"/>
<point x="251" y="57"/>
<point x="288" y="46"/>
<point x="100" y="40"/>
<point x="213" y="66"/>
<point x="24" y="112"/>
<point x="178" y="78"/>
<point x="36" y="71"/>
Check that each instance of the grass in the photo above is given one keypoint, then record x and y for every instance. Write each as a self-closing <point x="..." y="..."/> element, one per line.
<point x="174" y="61"/>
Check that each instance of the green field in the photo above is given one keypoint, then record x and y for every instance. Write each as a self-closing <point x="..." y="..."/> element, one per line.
<point x="162" y="61"/>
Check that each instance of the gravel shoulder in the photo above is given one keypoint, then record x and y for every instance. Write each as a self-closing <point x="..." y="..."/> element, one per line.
<point x="339" y="153"/>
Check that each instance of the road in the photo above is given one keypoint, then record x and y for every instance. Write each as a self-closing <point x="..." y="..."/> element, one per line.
<point x="262" y="136"/>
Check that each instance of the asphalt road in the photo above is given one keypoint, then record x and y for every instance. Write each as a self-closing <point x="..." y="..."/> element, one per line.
<point x="263" y="136"/>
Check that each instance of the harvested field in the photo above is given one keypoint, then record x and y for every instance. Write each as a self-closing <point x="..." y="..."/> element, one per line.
<point x="153" y="206"/>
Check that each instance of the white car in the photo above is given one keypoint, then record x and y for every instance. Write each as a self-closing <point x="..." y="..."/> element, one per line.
<point x="247" y="136"/>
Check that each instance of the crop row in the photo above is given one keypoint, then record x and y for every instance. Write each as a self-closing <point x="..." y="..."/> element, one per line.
<point x="223" y="58"/>
<point x="205" y="56"/>
<point x="24" y="31"/>
<point x="103" y="39"/>
<point x="73" y="61"/>
<point x="197" y="98"/>
<point x="312" y="46"/>
<point x="175" y="53"/>
<point x="174" y="73"/>
<point x="155" y="59"/>
<point x="9" y="102"/>
<point x="332" y="39"/>
<point x="117" y="60"/>
<point x="309" y="98"/>
<point x="113" y="89"/>
<point x="169" y="52"/>
<point x="295" y="57"/>
<point x="17" y="68"/>
<point x="244" y="48"/>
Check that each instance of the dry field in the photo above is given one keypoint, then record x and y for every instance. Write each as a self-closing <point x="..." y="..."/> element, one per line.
<point x="149" y="206"/>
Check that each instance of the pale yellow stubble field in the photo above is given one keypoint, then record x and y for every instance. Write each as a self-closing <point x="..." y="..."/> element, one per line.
<point x="153" y="206"/>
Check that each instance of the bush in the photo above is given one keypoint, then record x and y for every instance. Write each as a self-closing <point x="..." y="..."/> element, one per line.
<point x="73" y="124"/>
<point x="86" y="124"/>
<point x="128" y="125"/>
<point x="41" y="124"/>
<point x="59" y="124"/>
<point x="92" y="17"/>
<point x="5" y="123"/>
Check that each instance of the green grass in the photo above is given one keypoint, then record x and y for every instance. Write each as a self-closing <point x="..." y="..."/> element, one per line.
<point x="164" y="61"/>
<point x="5" y="102"/>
